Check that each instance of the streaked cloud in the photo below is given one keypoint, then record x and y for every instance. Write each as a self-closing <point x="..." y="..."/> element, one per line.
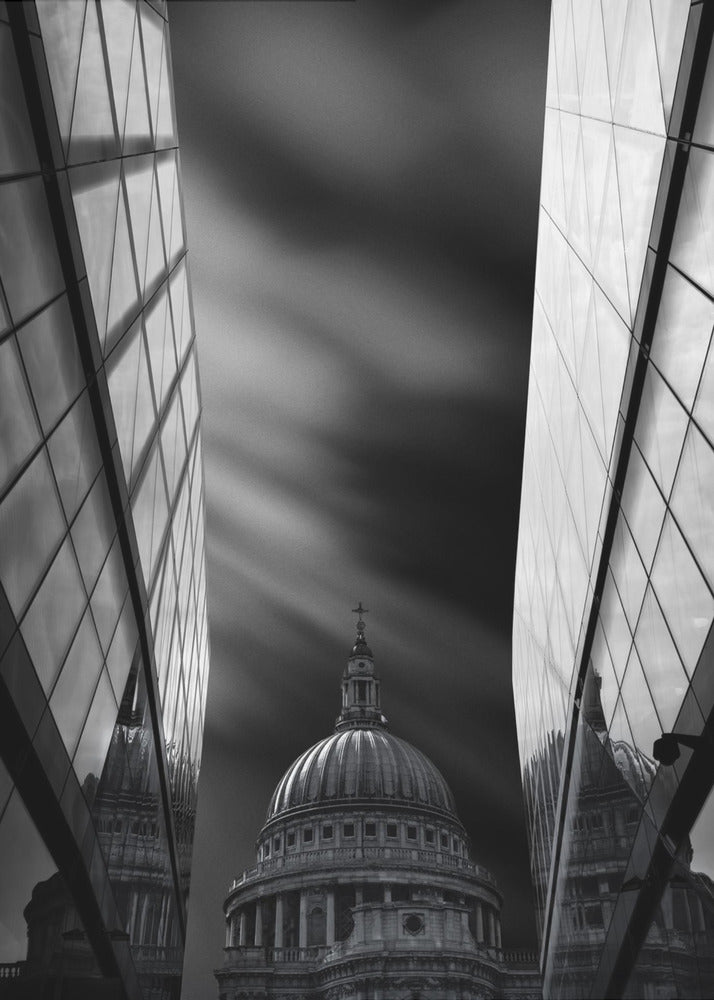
<point x="360" y="185"/>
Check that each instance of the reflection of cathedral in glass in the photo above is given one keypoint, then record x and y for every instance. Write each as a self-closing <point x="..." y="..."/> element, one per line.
<point x="614" y="595"/>
<point x="364" y="886"/>
<point x="103" y="633"/>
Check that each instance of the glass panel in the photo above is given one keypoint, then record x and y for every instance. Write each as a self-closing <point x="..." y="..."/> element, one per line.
<point x="589" y="383"/>
<point x="168" y="197"/>
<point x="121" y="651"/>
<point x="18" y="428"/>
<point x="638" y="704"/>
<point x="704" y="406"/>
<point x="165" y="132"/>
<point x="704" y="125"/>
<point x="578" y="221"/>
<point x="685" y="598"/>
<point x="132" y="402"/>
<point x="74" y="452"/>
<point x="177" y="242"/>
<point x="639" y="159"/>
<point x="26" y="864"/>
<point x="49" y="349"/>
<point x="552" y="196"/>
<point x="681" y="338"/>
<point x="118" y="17"/>
<point x="610" y="270"/>
<point x="93" y="135"/>
<point x="594" y="85"/>
<point x="49" y="624"/>
<point x="155" y="261"/>
<point x="152" y="32"/>
<point x="137" y="133"/>
<point x="614" y="623"/>
<point x="109" y="594"/>
<point x="179" y="309"/>
<point x="639" y="100"/>
<point x="692" y="499"/>
<point x="150" y="513"/>
<point x="661" y="426"/>
<point x="693" y="243"/>
<point x="643" y="506"/>
<point x="565" y="55"/>
<point x="628" y="571"/>
<point x="122" y="368"/>
<point x="17" y="147"/>
<point x="31" y="526"/>
<point x="602" y="668"/>
<point x="93" y="532"/>
<point x="95" y="191"/>
<point x="173" y="446"/>
<point x="123" y="297"/>
<point x="670" y="22"/>
<point x="702" y="838"/>
<point x="61" y="22"/>
<point x="675" y="959"/>
<point x="29" y="264"/>
<point x="145" y="414"/>
<point x="160" y="344"/>
<point x="660" y="662"/>
<point x="73" y="691"/>
<point x="97" y="734"/>
<point x="6" y="787"/>
<point x="189" y="396"/>
<point x="4" y="318"/>
<point x="138" y="176"/>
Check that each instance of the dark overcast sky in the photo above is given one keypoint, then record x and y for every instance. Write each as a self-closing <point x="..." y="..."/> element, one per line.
<point x="361" y="190"/>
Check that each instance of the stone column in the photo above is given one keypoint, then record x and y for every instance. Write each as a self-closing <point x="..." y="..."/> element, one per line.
<point x="479" y="923"/>
<point x="491" y="929"/>
<point x="667" y="910"/>
<point x="700" y="924"/>
<point x="330" y="922"/>
<point x="242" y="931"/>
<point x="498" y="932"/>
<point x="161" y="933"/>
<point x="387" y="894"/>
<point x="258" y="939"/>
<point x="278" y="921"/>
<point x="359" y="896"/>
<point x="302" y="939"/>
<point x="229" y="932"/>
<point x="142" y="919"/>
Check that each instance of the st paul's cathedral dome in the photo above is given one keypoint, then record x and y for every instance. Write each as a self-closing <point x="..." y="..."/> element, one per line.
<point x="364" y="885"/>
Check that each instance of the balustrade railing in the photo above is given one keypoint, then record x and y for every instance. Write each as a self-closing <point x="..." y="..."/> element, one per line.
<point x="157" y="954"/>
<point x="250" y="955"/>
<point x="520" y="957"/>
<point x="12" y="970"/>
<point x="355" y="855"/>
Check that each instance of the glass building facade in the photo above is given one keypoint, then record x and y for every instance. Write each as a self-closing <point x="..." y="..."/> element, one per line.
<point x="103" y="631"/>
<point x="614" y="592"/>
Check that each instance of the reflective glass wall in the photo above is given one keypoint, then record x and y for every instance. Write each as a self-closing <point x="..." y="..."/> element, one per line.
<point x="614" y="597"/>
<point x="103" y="631"/>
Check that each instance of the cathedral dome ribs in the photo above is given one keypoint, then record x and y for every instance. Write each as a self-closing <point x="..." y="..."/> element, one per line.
<point x="361" y="765"/>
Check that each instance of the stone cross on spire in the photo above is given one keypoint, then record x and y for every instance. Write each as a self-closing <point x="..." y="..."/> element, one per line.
<point x="361" y="626"/>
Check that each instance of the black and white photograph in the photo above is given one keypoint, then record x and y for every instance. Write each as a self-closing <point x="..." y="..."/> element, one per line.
<point x="356" y="499"/>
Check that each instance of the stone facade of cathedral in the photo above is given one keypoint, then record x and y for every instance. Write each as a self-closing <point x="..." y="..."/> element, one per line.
<point x="364" y="886"/>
